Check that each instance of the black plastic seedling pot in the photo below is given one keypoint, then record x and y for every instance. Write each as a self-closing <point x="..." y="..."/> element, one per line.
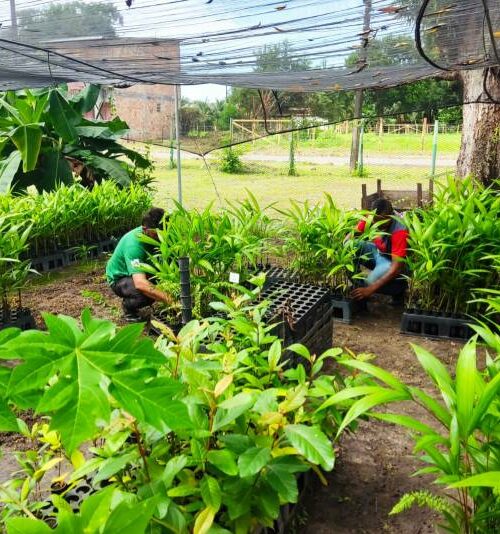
<point x="18" y="318"/>
<point x="435" y="325"/>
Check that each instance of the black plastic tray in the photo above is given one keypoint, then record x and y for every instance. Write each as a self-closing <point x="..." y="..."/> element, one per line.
<point x="437" y="326"/>
<point x="18" y="318"/>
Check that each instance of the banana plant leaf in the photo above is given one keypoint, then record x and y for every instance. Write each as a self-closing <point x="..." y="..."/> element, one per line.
<point x="28" y="140"/>
<point x="8" y="170"/>
<point x="52" y="170"/>
<point x="85" y="101"/>
<point x="63" y="117"/>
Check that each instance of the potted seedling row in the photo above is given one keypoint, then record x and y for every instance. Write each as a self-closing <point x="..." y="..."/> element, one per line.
<point x="13" y="274"/>
<point x="454" y="257"/>
<point x="322" y="250"/>
<point x="74" y="223"/>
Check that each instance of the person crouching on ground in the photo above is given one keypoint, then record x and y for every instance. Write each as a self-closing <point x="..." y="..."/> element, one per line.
<point x="385" y="256"/>
<point x="124" y="273"/>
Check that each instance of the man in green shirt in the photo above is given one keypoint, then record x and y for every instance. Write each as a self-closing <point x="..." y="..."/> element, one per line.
<point x="124" y="273"/>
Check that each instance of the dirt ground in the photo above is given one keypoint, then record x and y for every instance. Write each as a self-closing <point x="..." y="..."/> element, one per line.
<point x="373" y="465"/>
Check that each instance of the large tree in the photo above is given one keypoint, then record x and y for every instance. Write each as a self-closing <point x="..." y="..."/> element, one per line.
<point x="67" y="20"/>
<point x="462" y="41"/>
<point x="412" y="101"/>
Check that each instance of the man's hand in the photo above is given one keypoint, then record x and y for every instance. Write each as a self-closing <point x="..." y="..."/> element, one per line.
<point x="362" y="293"/>
<point x="143" y="285"/>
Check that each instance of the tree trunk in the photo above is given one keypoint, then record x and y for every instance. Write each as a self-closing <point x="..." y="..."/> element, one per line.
<point x="480" y="148"/>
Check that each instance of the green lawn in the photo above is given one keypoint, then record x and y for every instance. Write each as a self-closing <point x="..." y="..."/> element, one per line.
<point x="331" y="144"/>
<point x="270" y="184"/>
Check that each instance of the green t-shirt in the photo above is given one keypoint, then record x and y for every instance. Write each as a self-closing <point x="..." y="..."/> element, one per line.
<point x="127" y="257"/>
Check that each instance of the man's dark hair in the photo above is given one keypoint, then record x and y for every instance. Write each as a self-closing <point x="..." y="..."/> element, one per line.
<point x="383" y="207"/>
<point x="152" y="218"/>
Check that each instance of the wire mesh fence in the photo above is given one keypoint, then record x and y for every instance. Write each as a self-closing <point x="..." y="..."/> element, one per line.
<point x="303" y="165"/>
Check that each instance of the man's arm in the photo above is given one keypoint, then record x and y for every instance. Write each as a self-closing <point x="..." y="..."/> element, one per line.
<point x="365" y="292"/>
<point x="143" y="285"/>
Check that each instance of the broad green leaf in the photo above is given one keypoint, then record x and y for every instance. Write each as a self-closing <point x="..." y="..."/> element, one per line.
<point x="85" y="100"/>
<point x="96" y="509"/>
<point x="172" y="469"/>
<point x="490" y="479"/>
<point x="22" y="525"/>
<point x="274" y="356"/>
<point x="283" y="482"/>
<point x="112" y="465"/>
<point x="131" y="517"/>
<point x="370" y="401"/>
<point x="377" y="372"/>
<point x="437" y="371"/>
<point x="301" y="350"/>
<point x="8" y="170"/>
<point x="77" y="422"/>
<point x="231" y="409"/>
<point x="465" y="386"/>
<point x="295" y="398"/>
<point x="312" y="443"/>
<point x="204" y="521"/>
<point x="8" y="422"/>
<point x="253" y="460"/>
<point x="63" y="117"/>
<point x="211" y="493"/>
<point x="28" y="140"/>
<point x="113" y="168"/>
<point x="151" y="401"/>
<point x="224" y="460"/>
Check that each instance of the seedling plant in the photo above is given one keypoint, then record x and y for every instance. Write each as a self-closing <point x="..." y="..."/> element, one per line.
<point x="319" y="244"/>
<point x="454" y="249"/>
<point x="13" y="269"/>
<point x="462" y="447"/>
<point x="217" y="243"/>
<point x="186" y="441"/>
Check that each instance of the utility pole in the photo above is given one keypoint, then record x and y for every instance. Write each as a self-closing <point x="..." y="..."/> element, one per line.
<point x="13" y="17"/>
<point x="358" y="101"/>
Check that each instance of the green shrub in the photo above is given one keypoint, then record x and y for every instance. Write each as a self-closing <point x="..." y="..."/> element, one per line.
<point x="230" y="161"/>
<point x="187" y="440"/>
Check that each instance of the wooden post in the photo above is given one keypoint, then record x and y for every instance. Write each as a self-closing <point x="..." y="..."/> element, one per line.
<point x="381" y="127"/>
<point x="419" y="195"/>
<point x="363" y="197"/>
<point x="379" y="187"/>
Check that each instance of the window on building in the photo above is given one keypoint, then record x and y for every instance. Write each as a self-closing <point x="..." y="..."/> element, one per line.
<point x="158" y="107"/>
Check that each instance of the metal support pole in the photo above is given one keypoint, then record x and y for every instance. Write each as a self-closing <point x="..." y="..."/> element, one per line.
<point x="360" y="149"/>
<point x="186" y="304"/>
<point x="434" y="149"/>
<point x="13" y="16"/>
<point x="178" y="141"/>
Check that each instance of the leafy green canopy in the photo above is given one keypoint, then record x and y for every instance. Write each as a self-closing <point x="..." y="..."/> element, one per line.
<point x="79" y="17"/>
<point x="44" y="136"/>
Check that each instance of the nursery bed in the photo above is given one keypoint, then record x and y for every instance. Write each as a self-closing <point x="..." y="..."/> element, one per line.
<point x="373" y="466"/>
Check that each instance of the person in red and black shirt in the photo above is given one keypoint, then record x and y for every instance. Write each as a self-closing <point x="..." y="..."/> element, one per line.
<point x="385" y="256"/>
